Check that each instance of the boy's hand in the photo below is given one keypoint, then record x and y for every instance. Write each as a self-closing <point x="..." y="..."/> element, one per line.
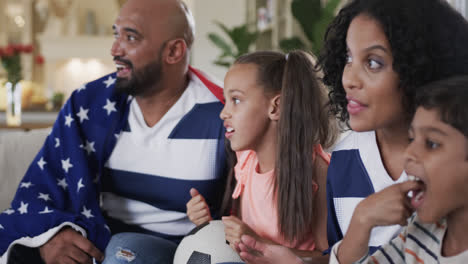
<point x="197" y="209"/>
<point x="388" y="207"/>
<point x="234" y="228"/>
<point x="69" y="246"/>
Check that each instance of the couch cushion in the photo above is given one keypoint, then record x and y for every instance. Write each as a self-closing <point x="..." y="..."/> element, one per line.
<point x="17" y="150"/>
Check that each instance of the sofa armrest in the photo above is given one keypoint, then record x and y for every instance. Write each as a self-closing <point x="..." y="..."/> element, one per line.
<point x="18" y="149"/>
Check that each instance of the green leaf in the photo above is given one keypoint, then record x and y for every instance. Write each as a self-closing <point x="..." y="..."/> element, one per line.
<point x="293" y="43"/>
<point x="240" y="39"/>
<point x="220" y="43"/>
<point x="331" y="6"/>
<point x="247" y="41"/>
<point x="307" y="13"/>
<point x="223" y="63"/>
<point x="314" y="19"/>
<point x="239" y="42"/>
<point x="224" y="29"/>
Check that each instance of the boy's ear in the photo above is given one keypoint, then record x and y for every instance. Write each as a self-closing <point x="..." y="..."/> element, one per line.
<point x="274" y="111"/>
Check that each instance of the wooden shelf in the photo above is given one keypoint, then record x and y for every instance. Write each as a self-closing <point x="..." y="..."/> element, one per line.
<point x="25" y="126"/>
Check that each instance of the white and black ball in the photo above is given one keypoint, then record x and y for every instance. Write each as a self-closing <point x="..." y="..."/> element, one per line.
<point x="206" y="244"/>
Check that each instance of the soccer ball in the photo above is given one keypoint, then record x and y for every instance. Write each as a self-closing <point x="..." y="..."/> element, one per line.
<point x="206" y="244"/>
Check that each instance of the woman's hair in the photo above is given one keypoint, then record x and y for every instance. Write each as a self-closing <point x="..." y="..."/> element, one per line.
<point x="428" y="41"/>
<point x="449" y="97"/>
<point x="305" y="121"/>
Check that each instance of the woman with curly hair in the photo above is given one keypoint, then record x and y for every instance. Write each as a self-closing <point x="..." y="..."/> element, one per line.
<point x="377" y="54"/>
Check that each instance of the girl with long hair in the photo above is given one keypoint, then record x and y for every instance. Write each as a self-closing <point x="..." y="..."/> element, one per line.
<point x="277" y="122"/>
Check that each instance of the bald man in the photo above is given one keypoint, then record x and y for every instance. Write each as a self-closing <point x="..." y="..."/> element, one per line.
<point x="112" y="179"/>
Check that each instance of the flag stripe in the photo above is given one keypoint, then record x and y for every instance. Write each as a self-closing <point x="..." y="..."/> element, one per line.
<point x="165" y="193"/>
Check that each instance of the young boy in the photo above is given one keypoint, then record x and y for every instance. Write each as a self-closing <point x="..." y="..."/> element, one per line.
<point x="437" y="164"/>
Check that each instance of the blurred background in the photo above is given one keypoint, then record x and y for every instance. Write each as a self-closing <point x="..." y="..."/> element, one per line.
<point x="61" y="44"/>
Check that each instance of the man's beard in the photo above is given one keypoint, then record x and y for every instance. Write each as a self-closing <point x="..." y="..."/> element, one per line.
<point x="142" y="81"/>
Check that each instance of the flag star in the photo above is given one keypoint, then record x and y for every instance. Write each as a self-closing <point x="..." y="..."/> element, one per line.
<point x="23" y="209"/>
<point x="9" y="211"/>
<point x="110" y="107"/>
<point x="89" y="147"/>
<point x="109" y="81"/>
<point x="87" y="212"/>
<point x="62" y="183"/>
<point x="44" y="196"/>
<point x="68" y="120"/>
<point x="41" y="163"/>
<point x="26" y="185"/>
<point x="80" y="185"/>
<point x="83" y="114"/>
<point x="57" y="142"/>
<point x="117" y="135"/>
<point x="1" y="227"/>
<point x="46" y="211"/>
<point x="82" y="87"/>
<point x="107" y="227"/>
<point x="66" y="165"/>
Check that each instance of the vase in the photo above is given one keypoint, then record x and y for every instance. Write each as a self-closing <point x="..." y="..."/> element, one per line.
<point x="13" y="107"/>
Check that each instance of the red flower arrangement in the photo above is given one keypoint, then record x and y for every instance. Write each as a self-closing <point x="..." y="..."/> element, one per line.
<point x="10" y="58"/>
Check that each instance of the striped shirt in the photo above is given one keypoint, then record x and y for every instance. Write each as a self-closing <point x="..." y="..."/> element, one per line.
<point x="151" y="170"/>
<point x="356" y="171"/>
<point x="418" y="243"/>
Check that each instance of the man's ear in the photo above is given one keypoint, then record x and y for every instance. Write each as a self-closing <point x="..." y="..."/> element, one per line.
<point x="274" y="111"/>
<point x="175" y="51"/>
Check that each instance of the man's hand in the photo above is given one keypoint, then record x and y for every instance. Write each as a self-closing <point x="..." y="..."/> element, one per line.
<point x="234" y="228"/>
<point x="197" y="209"/>
<point x="69" y="246"/>
<point x="254" y="251"/>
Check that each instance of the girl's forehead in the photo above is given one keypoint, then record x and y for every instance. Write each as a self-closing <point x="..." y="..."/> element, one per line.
<point x="241" y="77"/>
<point x="242" y="72"/>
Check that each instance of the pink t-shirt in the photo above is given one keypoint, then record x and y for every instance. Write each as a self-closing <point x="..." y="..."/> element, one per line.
<point x="258" y="203"/>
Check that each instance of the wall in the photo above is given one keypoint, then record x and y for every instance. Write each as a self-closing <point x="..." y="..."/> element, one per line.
<point x="76" y="45"/>
<point x="229" y="12"/>
<point x="3" y="36"/>
<point x="105" y="11"/>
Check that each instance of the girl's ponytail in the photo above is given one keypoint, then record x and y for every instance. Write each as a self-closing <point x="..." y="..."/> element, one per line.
<point x="305" y="121"/>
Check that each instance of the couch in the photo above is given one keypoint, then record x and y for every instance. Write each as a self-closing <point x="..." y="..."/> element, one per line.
<point x="17" y="150"/>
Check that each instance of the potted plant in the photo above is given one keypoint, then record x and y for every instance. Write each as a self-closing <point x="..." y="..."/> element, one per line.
<point x="240" y="40"/>
<point x="57" y="100"/>
<point x="313" y="16"/>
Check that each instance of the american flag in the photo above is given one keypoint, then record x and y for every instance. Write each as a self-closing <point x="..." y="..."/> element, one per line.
<point x="62" y="185"/>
